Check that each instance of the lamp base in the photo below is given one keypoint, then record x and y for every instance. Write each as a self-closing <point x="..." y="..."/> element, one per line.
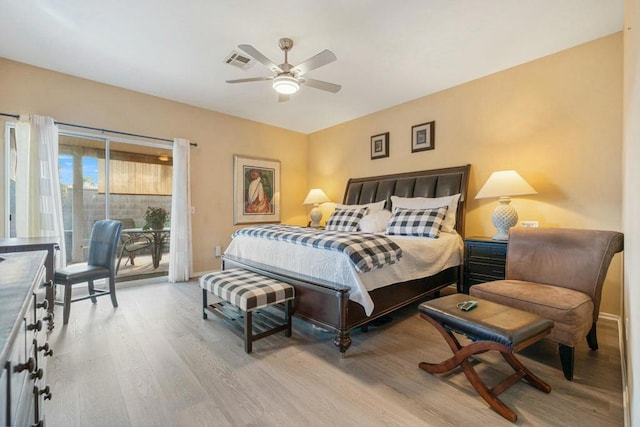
<point x="316" y="216"/>
<point x="503" y="218"/>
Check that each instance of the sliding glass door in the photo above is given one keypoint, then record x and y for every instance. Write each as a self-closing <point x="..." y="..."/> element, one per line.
<point x="112" y="178"/>
<point x="81" y="204"/>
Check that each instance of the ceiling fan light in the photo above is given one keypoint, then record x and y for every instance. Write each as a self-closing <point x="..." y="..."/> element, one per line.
<point x="286" y="85"/>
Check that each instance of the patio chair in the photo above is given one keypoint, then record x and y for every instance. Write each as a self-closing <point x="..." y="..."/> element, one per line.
<point x="131" y="242"/>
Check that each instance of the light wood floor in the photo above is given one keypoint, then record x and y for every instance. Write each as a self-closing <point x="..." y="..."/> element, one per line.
<point x="155" y="361"/>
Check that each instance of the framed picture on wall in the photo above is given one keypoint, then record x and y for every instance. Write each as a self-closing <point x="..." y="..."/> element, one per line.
<point x="256" y="190"/>
<point x="380" y="146"/>
<point x="423" y="137"/>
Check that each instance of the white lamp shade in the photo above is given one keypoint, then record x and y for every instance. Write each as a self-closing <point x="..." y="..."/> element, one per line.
<point x="504" y="184"/>
<point x="316" y="196"/>
<point x="286" y="85"/>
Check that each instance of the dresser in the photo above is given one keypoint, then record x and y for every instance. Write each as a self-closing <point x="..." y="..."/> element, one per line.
<point x="24" y="349"/>
<point x="484" y="260"/>
<point x="25" y="244"/>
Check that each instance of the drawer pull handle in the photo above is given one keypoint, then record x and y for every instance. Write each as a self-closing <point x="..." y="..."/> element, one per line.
<point x="44" y="304"/>
<point x="37" y="326"/>
<point x="47" y="393"/>
<point x="28" y="365"/>
<point x="46" y="349"/>
<point x="48" y="318"/>
<point x="38" y="424"/>
<point x="37" y="374"/>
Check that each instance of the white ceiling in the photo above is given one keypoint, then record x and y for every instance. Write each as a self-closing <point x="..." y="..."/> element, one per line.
<point x="389" y="52"/>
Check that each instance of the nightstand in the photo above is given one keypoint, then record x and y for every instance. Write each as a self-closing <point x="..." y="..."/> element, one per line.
<point x="484" y="260"/>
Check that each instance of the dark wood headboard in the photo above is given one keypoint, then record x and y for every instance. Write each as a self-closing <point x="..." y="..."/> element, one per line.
<point x="429" y="183"/>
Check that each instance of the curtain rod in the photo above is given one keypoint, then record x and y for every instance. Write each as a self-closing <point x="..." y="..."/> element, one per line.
<point x="16" y="116"/>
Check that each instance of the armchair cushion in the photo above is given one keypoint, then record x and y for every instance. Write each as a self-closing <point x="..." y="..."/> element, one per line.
<point x="571" y="311"/>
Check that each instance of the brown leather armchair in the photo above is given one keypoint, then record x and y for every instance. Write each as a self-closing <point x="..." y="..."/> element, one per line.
<point x="558" y="274"/>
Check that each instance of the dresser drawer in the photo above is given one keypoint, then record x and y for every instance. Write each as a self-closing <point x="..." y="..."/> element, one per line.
<point x="17" y="381"/>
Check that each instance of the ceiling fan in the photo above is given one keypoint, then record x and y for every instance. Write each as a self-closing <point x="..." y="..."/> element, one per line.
<point x="287" y="78"/>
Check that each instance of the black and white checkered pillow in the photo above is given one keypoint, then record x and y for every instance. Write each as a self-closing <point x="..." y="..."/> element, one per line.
<point x="417" y="222"/>
<point x="345" y="219"/>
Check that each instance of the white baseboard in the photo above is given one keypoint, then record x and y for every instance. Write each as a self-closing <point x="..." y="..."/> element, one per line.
<point x="623" y="365"/>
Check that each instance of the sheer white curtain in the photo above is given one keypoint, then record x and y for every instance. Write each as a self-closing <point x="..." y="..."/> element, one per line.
<point x="180" y="260"/>
<point x="38" y="202"/>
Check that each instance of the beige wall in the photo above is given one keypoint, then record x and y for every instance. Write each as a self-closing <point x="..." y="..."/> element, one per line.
<point x="25" y="89"/>
<point x="556" y="120"/>
<point x="631" y="155"/>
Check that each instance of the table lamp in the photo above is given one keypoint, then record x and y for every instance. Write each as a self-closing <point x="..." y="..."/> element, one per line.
<point x="504" y="184"/>
<point x="315" y="197"/>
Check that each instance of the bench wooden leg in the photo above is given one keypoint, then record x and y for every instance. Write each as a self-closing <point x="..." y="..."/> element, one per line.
<point x="287" y="314"/>
<point x="248" y="332"/>
<point x="204" y="304"/>
<point x="460" y="358"/>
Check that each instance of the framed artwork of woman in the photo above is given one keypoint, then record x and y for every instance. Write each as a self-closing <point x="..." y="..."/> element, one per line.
<point x="256" y="190"/>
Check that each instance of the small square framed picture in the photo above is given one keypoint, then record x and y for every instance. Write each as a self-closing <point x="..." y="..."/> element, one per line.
<point x="423" y="137"/>
<point x="380" y="146"/>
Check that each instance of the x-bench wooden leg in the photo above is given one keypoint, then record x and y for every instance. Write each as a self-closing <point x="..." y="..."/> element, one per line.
<point x="461" y="356"/>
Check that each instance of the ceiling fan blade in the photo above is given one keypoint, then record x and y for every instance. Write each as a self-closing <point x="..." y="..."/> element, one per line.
<point x="251" y="79"/>
<point x="252" y="51"/>
<point x="283" y="98"/>
<point x="319" y="84"/>
<point x="323" y="58"/>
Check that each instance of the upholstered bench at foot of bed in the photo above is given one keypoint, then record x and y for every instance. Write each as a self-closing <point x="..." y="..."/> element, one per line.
<point x="247" y="292"/>
<point x="490" y="326"/>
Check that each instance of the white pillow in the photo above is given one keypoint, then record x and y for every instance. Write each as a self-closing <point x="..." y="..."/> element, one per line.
<point x="372" y="207"/>
<point x="375" y="222"/>
<point x="449" y="223"/>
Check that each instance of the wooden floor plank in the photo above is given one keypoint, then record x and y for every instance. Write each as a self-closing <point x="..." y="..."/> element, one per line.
<point x="155" y="361"/>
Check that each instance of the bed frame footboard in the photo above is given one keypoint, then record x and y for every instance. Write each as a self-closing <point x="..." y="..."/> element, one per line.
<point x="328" y="306"/>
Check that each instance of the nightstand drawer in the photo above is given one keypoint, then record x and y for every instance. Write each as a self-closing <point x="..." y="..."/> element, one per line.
<point x="484" y="260"/>
<point x="487" y="251"/>
<point x="496" y="271"/>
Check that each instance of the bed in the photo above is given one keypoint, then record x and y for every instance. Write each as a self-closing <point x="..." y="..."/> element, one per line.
<point x="328" y="299"/>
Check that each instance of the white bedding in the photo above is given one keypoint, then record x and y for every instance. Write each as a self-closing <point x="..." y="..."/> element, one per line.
<point x="422" y="257"/>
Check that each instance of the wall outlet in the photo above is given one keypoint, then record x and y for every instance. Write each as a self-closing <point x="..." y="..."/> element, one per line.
<point x="533" y="224"/>
<point x="218" y="252"/>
